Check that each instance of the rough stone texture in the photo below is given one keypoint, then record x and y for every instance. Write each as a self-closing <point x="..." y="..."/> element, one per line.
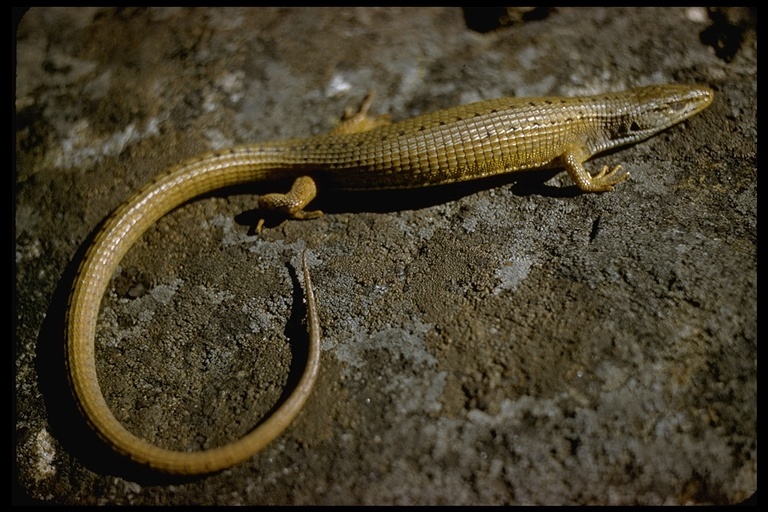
<point x="509" y="342"/>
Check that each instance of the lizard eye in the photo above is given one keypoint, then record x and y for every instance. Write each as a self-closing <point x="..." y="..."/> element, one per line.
<point x="677" y="106"/>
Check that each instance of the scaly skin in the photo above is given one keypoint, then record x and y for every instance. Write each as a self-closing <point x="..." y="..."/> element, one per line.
<point x="363" y="153"/>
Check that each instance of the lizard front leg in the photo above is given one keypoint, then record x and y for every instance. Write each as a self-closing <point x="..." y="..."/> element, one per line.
<point x="603" y="181"/>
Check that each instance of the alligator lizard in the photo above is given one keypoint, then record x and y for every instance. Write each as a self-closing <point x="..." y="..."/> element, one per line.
<point x="363" y="152"/>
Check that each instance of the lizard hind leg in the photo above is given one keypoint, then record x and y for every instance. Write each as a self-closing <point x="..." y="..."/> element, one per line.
<point x="359" y="121"/>
<point x="292" y="203"/>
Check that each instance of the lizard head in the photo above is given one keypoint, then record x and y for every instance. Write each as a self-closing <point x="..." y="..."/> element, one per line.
<point x="654" y="108"/>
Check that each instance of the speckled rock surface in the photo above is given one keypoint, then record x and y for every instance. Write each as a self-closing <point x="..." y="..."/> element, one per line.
<point x="514" y="342"/>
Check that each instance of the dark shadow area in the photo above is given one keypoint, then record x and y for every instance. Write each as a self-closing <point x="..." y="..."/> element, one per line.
<point x="487" y="19"/>
<point x="329" y="200"/>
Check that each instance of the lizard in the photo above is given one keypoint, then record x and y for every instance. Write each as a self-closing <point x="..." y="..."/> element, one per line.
<point x="362" y="153"/>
